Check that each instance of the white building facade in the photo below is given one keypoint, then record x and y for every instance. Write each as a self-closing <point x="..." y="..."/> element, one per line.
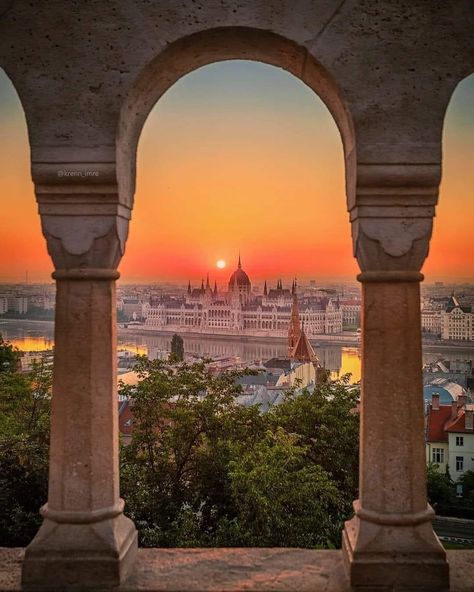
<point x="431" y="321"/>
<point x="457" y="322"/>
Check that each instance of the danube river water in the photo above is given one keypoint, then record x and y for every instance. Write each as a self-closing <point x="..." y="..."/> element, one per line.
<point x="39" y="335"/>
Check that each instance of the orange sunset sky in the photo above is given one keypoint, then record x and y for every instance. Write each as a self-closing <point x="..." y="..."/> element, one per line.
<point x="239" y="155"/>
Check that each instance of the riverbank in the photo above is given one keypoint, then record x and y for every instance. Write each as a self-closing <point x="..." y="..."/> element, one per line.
<point x="350" y="340"/>
<point x="14" y="321"/>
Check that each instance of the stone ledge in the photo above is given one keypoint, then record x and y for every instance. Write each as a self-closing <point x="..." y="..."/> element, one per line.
<point x="235" y="570"/>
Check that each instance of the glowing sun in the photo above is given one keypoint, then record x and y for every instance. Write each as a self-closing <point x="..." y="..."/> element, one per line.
<point x="221" y="264"/>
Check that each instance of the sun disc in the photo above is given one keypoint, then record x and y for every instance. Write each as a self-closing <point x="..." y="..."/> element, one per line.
<point x="220" y="264"/>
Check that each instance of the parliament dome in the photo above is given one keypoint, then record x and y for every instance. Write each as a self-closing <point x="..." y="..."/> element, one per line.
<point x="239" y="278"/>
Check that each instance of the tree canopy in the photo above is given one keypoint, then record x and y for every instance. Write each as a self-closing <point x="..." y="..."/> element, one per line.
<point x="200" y="469"/>
<point x="203" y="470"/>
<point x="9" y="357"/>
<point x="24" y="446"/>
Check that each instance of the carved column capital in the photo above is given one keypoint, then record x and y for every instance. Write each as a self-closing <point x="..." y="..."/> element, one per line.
<point x="83" y="221"/>
<point x="392" y="217"/>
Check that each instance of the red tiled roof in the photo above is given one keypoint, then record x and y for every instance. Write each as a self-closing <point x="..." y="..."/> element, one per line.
<point x="303" y="350"/>
<point x="437" y="419"/>
<point x="458" y="424"/>
<point x="440" y="424"/>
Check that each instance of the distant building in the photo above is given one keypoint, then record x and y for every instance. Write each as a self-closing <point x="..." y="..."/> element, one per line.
<point x="457" y="322"/>
<point x="29" y="359"/>
<point x="458" y="371"/>
<point x="450" y="436"/>
<point x="18" y="304"/>
<point x="3" y="305"/>
<point x="238" y="311"/>
<point x="44" y="301"/>
<point x="350" y="313"/>
<point x="431" y="321"/>
<point x="132" y="308"/>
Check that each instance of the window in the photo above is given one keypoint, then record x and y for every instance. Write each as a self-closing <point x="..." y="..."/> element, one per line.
<point x="459" y="463"/>
<point x="438" y="455"/>
<point x="459" y="440"/>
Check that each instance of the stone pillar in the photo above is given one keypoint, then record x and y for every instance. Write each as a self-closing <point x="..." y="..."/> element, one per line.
<point x="85" y="540"/>
<point x="390" y="543"/>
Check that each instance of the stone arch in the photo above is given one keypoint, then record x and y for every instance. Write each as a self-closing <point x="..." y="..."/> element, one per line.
<point x="215" y="45"/>
<point x="453" y="168"/>
<point x="17" y="189"/>
<point x="450" y="96"/>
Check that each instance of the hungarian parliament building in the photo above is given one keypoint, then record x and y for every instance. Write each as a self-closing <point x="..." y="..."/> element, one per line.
<point x="238" y="311"/>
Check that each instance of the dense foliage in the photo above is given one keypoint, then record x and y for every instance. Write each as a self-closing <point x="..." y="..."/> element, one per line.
<point x="443" y="495"/>
<point x="9" y="357"/>
<point x="200" y="469"/>
<point x="441" y="489"/>
<point x="203" y="470"/>
<point x="24" y="444"/>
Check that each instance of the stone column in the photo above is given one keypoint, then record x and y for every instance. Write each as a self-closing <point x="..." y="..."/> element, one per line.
<point x="85" y="540"/>
<point x="390" y="543"/>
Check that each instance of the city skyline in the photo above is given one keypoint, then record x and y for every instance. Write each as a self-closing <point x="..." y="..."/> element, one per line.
<point x="240" y="155"/>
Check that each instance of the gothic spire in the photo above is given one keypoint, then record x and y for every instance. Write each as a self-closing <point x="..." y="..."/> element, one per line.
<point x="265" y="290"/>
<point x="239" y="264"/>
<point x="189" y="287"/>
<point x="294" y="328"/>
<point x="202" y="285"/>
<point x="215" y="288"/>
<point x="207" y="281"/>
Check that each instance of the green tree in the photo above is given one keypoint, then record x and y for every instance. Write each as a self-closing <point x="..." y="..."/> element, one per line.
<point x="467" y="482"/>
<point x="24" y="445"/>
<point x="327" y="420"/>
<point x="440" y="486"/>
<point x="9" y="357"/>
<point x="282" y="499"/>
<point x="174" y="469"/>
<point x="203" y="470"/>
<point x="177" y="348"/>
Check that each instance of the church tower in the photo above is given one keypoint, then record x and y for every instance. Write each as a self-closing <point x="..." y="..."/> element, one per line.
<point x="294" y="328"/>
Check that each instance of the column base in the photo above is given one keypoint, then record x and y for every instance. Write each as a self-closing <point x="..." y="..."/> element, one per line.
<point x="394" y="558"/>
<point x="73" y="557"/>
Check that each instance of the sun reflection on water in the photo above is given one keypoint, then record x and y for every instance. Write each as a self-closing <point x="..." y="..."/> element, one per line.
<point x="350" y="363"/>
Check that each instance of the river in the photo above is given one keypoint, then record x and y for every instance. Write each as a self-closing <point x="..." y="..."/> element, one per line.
<point x="39" y="336"/>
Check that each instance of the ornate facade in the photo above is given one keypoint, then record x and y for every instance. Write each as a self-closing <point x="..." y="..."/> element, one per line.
<point x="239" y="312"/>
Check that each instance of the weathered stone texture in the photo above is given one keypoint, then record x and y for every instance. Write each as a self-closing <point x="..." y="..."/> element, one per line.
<point x="236" y="570"/>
